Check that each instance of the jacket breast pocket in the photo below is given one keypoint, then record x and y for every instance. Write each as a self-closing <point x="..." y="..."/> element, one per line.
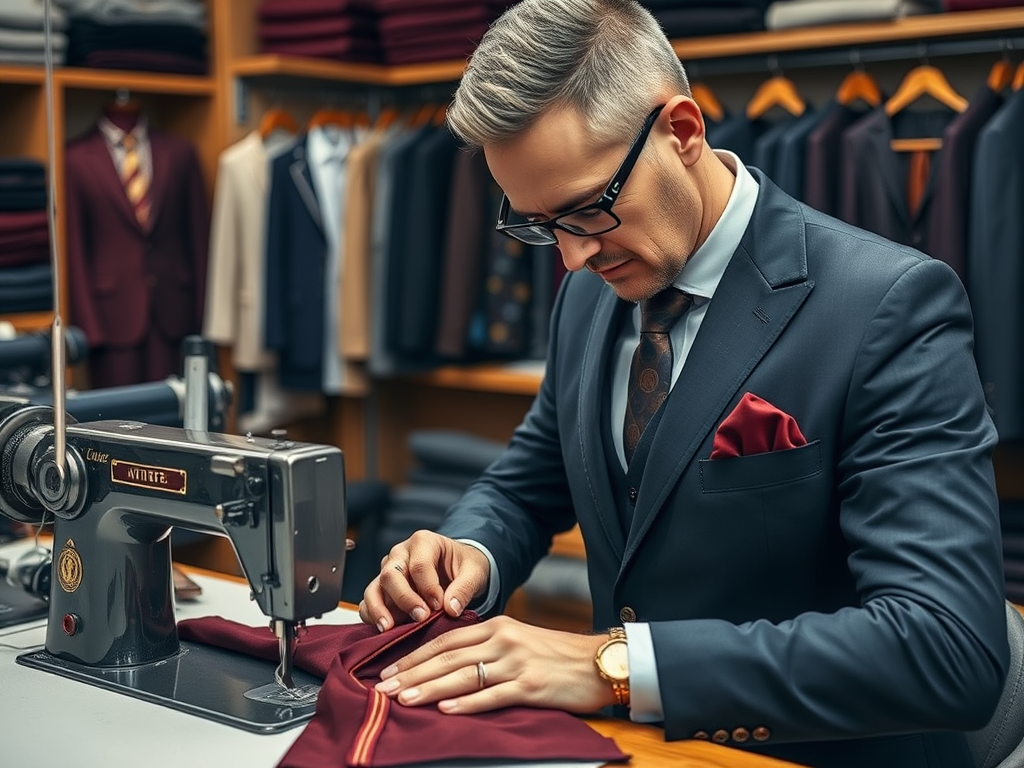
<point x="762" y="470"/>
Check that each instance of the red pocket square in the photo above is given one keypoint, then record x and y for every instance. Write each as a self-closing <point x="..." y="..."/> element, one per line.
<point x="755" y="426"/>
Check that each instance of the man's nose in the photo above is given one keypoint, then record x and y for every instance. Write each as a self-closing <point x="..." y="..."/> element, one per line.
<point x="576" y="250"/>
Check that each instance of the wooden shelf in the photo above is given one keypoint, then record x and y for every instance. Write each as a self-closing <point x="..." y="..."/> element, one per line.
<point x="29" y="321"/>
<point x="144" y="82"/>
<point x="484" y="378"/>
<point x="274" y="65"/>
<point x="955" y="24"/>
<point x="21" y="75"/>
<point x="939" y="25"/>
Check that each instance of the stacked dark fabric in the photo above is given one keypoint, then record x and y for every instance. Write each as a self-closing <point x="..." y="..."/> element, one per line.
<point x="21" y="33"/>
<point x="26" y="278"/>
<point x="694" y="18"/>
<point x="345" y="30"/>
<point x="415" y="31"/>
<point x="389" y="32"/>
<point x="146" y="35"/>
<point x="1011" y="515"/>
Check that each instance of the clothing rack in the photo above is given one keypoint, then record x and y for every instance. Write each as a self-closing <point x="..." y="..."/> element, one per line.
<point x="860" y="54"/>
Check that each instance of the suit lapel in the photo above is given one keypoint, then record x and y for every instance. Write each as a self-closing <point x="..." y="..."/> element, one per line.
<point x="108" y="179"/>
<point x="304" y="181"/>
<point x="761" y="290"/>
<point x="160" y="181"/>
<point x="593" y="382"/>
<point x="888" y="165"/>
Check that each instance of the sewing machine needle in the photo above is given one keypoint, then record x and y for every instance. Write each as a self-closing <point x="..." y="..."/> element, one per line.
<point x="285" y="631"/>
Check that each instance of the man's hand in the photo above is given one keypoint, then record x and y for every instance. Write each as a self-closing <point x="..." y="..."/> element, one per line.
<point x="424" y="573"/>
<point x="499" y="663"/>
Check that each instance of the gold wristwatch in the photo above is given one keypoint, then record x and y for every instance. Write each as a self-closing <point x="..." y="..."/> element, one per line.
<point x="613" y="664"/>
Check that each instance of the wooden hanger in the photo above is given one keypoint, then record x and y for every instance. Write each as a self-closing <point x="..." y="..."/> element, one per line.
<point x="1018" y="78"/>
<point x="386" y="118"/>
<point x="1000" y="75"/>
<point x="707" y="101"/>
<point x="924" y="80"/>
<point x="330" y="116"/>
<point x="277" y="119"/>
<point x="776" y="91"/>
<point x="858" y="85"/>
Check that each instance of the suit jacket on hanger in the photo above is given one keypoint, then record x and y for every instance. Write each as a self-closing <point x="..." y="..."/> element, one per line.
<point x="127" y="280"/>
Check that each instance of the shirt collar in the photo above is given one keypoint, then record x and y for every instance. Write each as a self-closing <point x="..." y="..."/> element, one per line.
<point x="704" y="269"/>
<point x="114" y="135"/>
<point x="322" y="148"/>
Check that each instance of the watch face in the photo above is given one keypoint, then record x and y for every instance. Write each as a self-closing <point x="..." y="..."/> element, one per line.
<point x="615" y="660"/>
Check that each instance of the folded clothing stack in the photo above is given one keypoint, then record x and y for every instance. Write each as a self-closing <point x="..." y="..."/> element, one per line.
<point x="391" y="32"/>
<point x="695" y="18"/>
<point x="146" y="35"/>
<point x="784" y="14"/>
<point x="26" y="278"/>
<point x="22" y="40"/>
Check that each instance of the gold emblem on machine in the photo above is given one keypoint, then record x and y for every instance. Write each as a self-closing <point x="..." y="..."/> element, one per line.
<point x="147" y="476"/>
<point x="69" y="567"/>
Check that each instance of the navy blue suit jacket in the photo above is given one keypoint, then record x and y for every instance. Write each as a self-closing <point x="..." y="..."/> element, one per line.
<point x="296" y="259"/>
<point x="843" y="599"/>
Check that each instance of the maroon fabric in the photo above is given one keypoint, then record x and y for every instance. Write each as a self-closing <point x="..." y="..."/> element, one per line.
<point x="421" y="19"/>
<point x="465" y="37"/>
<point x="343" y="48"/>
<point x="23" y="221"/>
<point x="428" y="53"/>
<point x="755" y="426"/>
<point x="354" y="725"/>
<point x="394" y="6"/>
<point x="304" y="29"/>
<point x="304" y="9"/>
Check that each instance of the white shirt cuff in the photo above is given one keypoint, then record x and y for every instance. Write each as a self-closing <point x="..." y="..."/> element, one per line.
<point x="644" y="692"/>
<point x="495" y="581"/>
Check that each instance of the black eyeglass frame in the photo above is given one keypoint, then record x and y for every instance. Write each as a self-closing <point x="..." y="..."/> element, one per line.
<point x="604" y="203"/>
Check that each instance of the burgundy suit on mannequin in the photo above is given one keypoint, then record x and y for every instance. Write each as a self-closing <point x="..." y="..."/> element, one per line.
<point x="136" y="291"/>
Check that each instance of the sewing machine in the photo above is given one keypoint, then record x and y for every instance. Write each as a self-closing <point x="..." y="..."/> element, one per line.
<point x="113" y="500"/>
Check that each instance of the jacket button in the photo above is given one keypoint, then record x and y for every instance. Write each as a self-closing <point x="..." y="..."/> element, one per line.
<point x="701" y="735"/>
<point x="632" y="495"/>
<point x="761" y="733"/>
<point x="720" y="736"/>
<point x="740" y="734"/>
<point x="627" y="615"/>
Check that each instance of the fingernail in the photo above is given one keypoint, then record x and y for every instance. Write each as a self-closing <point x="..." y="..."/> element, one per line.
<point x="456" y="606"/>
<point x="419" y="614"/>
<point x="435" y="604"/>
<point x="389" y="672"/>
<point x="382" y="625"/>
<point x="387" y="686"/>
<point x="409" y="696"/>
<point x="449" y="706"/>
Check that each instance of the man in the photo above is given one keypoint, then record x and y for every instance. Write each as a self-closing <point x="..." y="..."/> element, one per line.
<point x="802" y="542"/>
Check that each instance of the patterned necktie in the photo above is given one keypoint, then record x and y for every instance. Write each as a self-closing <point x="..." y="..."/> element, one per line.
<point x="136" y="183"/>
<point x="651" y="372"/>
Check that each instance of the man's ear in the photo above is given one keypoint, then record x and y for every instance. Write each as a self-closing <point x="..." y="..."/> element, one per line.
<point x="687" y="126"/>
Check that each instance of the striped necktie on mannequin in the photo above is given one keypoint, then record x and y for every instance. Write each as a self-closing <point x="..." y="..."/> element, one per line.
<point x="650" y="374"/>
<point x="136" y="182"/>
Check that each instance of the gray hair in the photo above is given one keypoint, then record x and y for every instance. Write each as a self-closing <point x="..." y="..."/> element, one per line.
<point x="608" y="59"/>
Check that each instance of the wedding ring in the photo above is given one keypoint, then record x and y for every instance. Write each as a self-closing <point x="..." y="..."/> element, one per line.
<point x="398" y="568"/>
<point x="481" y="674"/>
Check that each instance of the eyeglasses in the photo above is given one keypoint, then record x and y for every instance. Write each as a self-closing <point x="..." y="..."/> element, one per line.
<point x="588" y="221"/>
